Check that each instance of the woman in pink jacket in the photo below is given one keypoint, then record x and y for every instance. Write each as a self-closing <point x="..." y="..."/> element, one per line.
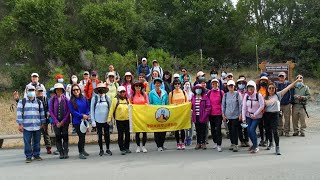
<point x="252" y="106"/>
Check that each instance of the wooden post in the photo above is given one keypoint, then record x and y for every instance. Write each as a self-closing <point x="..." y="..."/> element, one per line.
<point x="1" y="143"/>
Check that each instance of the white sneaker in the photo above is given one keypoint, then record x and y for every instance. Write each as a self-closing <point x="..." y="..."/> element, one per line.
<point x="160" y="149"/>
<point x="164" y="148"/>
<point x="138" y="149"/>
<point x="144" y="149"/>
<point x="215" y="145"/>
<point x="219" y="148"/>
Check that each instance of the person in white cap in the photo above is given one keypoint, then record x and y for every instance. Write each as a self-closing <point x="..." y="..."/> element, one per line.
<point x="127" y="83"/>
<point x="200" y="77"/>
<point x="99" y="111"/>
<point x="282" y="83"/>
<point x="117" y="76"/>
<point x="112" y="85"/>
<point x="144" y="68"/>
<point x="156" y="66"/>
<point x="84" y="81"/>
<point x="31" y="118"/>
<point x="120" y="112"/>
<point x="231" y="113"/>
<point x="60" y="114"/>
<point x="35" y="82"/>
<point x="79" y="107"/>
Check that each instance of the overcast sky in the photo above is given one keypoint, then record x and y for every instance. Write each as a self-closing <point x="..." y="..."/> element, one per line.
<point x="234" y="2"/>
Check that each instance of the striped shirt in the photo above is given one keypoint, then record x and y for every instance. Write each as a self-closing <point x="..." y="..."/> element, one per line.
<point x="197" y="105"/>
<point x="32" y="118"/>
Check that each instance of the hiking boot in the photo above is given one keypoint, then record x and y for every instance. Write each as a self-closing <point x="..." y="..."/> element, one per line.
<point x="101" y="152"/>
<point x="204" y="146"/>
<point x="231" y="147"/>
<point x="295" y="134"/>
<point x="287" y="134"/>
<point x="109" y="152"/>
<point x="302" y="134"/>
<point x="66" y="156"/>
<point x="198" y="146"/>
<point x="144" y="150"/>
<point x="49" y="150"/>
<point x="28" y="160"/>
<point x="235" y="148"/>
<point x="123" y="152"/>
<point x="85" y="153"/>
<point x="38" y="158"/>
<point x="82" y="156"/>
<point x="127" y="151"/>
<point x="278" y="150"/>
<point x="61" y="155"/>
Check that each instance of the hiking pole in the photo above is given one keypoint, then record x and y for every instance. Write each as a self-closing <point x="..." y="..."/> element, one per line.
<point x="305" y="110"/>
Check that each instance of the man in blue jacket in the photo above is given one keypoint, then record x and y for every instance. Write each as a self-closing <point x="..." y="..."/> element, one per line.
<point x="144" y="68"/>
<point x="285" y="104"/>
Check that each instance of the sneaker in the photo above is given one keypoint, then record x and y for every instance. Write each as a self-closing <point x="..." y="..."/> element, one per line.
<point x="255" y="150"/>
<point x="183" y="147"/>
<point x="219" y="149"/>
<point x="231" y="147"/>
<point x="204" y="146"/>
<point x="49" y="150"/>
<point x="302" y="134"/>
<point x="198" y="146"/>
<point x="215" y="145"/>
<point x="270" y="146"/>
<point x="164" y="148"/>
<point x="287" y="134"/>
<point x="101" y="152"/>
<point x="61" y="156"/>
<point x="278" y="150"/>
<point x="160" y="149"/>
<point x="250" y="148"/>
<point x="144" y="150"/>
<point x="295" y="134"/>
<point x="127" y="151"/>
<point x="123" y="153"/>
<point x="235" y="148"/>
<point x="262" y="143"/>
<point x="28" y="160"/>
<point x="247" y="144"/>
<point x="138" y="149"/>
<point x="85" y="153"/>
<point x="178" y="146"/>
<point x="82" y="156"/>
<point x="109" y="152"/>
<point x="38" y="158"/>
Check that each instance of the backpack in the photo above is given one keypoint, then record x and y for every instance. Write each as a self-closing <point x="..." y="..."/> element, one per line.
<point x="96" y="101"/>
<point x="209" y="93"/>
<point x="24" y="101"/>
<point x="257" y="98"/>
<point x="184" y="93"/>
<point x="118" y="102"/>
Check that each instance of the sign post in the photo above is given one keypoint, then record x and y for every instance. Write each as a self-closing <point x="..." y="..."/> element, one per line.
<point x="274" y="69"/>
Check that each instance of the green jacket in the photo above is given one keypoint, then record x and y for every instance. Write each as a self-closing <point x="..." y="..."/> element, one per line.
<point x="302" y="91"/>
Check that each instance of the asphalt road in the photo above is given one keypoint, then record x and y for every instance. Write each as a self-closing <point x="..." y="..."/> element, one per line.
<point x="300" y="159"/>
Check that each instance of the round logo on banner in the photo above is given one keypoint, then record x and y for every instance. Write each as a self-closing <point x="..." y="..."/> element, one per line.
<point x="162" y="114"/>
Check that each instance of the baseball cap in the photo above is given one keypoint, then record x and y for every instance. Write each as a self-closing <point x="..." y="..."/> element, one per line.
<point x="176" y="75"/>
<point x="121" y="88"/>
<point x="282" y="74"/>
<point x="214" y="80"/>
<point x="34" y="74"/>
<point x="144" y="59"/>
<point x="200" y="73"/>
<point x="229" y="74"/>
<point x="231" y="82"/>
<point x="264" y="78"/>
<point x="39" y="88"/>
<point x="86" y="72"/>
<point x="30" y="87"/>
<point x="93" y="73"/>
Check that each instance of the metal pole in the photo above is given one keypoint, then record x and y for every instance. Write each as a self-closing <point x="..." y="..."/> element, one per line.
<point x="257" y="58"/>
<point x="201" y="59"/>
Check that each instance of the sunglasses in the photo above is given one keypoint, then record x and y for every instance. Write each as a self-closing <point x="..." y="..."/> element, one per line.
<point x="177" y="84"/>
<point x="74" y="90"/>
<point x="31" y="90"/>
<point x="122" y="91"/>
<point x="281" y="76"/>
<point x="271" y="88"/>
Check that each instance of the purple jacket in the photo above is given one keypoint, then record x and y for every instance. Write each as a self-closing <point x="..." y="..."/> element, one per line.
<point x="53" y="110"/>
<point x="205" y="109"/>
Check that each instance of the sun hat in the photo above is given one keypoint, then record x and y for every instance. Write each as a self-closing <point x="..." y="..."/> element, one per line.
<point x="58" y="86"/>
<point x="101" y="85"/>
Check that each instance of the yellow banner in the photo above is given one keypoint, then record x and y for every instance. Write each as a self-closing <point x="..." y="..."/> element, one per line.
<point x="149" y="118"/>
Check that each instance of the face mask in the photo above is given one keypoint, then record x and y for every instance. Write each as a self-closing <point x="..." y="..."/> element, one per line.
<point x="74" y="80"/>
<point x="60" y="80"/>
<point x="241" y="86"/>
<point x="31" y="94"/>
<point x="223" y="74"/>
<point x="214" y="76"/>
<point x="299" y="84"/>
<point x="202" y="78"/>
<point x="198" y="91"/>
<point x="101" y="91"/>
<point x="263" y="84"/>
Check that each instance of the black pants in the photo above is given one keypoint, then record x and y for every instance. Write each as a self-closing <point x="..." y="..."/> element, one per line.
<point x="123" y="129"/>
<point x="233" y="126"/>
<point x="271" y="125"/>
<point x="215" y="123"/>
<point x="243" y="134"/>
<point x="103" y="129"/>
<point x="82" y="138"/>
<point x="144" y="138"/>
<point x="201" y="131"/>
<point x="177" y="136"/>
<point x="261" y="128"/>
<point x="159" y="138"/>
<point x="62" y="134"/>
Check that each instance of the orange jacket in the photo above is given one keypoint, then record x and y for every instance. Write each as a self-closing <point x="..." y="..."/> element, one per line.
<point x="88" y="89"/>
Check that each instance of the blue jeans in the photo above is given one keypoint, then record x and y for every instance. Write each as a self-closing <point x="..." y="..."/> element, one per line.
<point x="252" y="126"/>
<point x="30" y="151"/>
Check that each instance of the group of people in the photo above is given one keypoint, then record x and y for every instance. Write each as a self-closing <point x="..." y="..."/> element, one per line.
<point x="240" y="105"/>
